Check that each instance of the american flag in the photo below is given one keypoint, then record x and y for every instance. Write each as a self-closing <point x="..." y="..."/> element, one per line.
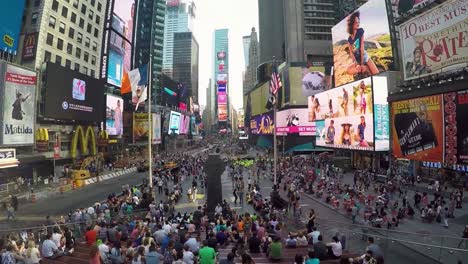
<point x="275" y="83"/>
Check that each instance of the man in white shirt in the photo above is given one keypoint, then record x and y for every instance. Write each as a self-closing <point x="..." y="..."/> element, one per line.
<point x="335" y="250"/>
<point x="91" y="211"/>
<point x="104" y="249"/>
<point x="50" y="249"/>
<point x="314" y="235"/>
<point x="188" y="257"/>
<point x="167" y="228"/>
<point x="193" y="245"/>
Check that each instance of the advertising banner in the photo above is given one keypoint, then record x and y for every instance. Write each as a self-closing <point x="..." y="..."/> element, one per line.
<point x="433" y="42"/>
<point x="221" y="87"/>
<point x="184" y="124"/>
<point x="156" y="121"/>
<point x="222" y="113"/>
<point x="222" y="78"/>
<point x="18" y="90"/>
<point x="418" y="128"/>
<point x="222" y="98"/>
<point x="402" y="7"/>
<point x="10" y="25"/>
<point x="262" y="124"/>
<point x="361" y="43"/>
<point x="174" y="123"/>
<point x="114" y="110"/>
<point x="71" y="95"/>
<point x="381" y="114"/>
<point x="456" y="128"/>
<point x="348" y="115"/>
<point x="221" y="55"/>
<point x="140" y="127"/>
<point x="193" y="126"/>
<point x="29" y="46"/>
<point x="294" y="121"/>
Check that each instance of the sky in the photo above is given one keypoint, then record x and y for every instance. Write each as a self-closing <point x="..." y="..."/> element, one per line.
<point x="239" y="16"/>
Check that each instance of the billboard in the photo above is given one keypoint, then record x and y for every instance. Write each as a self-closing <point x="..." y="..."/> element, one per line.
<point x="156" y="133"/>
<point x="71" y="95"/>
<point x="10" y="25"/>
<point x="29" y="46"/>
<point x="222" y="98"/>
<point x="222" y="78"/>
<point x="302" y="81"/>
<point x="418" y="128"/>
<point x="18" y="93"/>
<point x="140" y="127"/>
<point x="402" y="7"/>
<point x="262" y="124"/>
<point x="433" y="41"/>
<point x="174" y="123"/>
<point x="222" y="113"/>
<point x="456" y="128"/>
<point x="294" y="121"/>
<point x="221" y="55"/>
<point x="193" y="126"/>
<point x="114" y="110"/>
<point x="381" y="114"/>
<point x="362" y="44"/>
<point x="184" y="124"/>
<point x="347" y="114"/>
<point x="221" y="87"/>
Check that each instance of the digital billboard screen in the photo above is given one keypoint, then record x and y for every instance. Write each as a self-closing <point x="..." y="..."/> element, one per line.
<point x="361" y="43"/>
<point x="432" y="42"/>
<point x="10" y="25"/>
<point x="294" y="121"/>
<point x="418" y="128"/>
<point x="262" y="124"/>
<point x="222" y="98"/>
<point x="344" y="116"/>
<point x="456" y="127"/>
<point x="184" y="124"/>
<point x="222" y="113"/>
<point x="114" y="110"/>
<point x="156" y="121"/>
<point x="381" y="113"/>
<point x="70" y="95"/>
<point x="140" y="127"/>
<point x="174" y="123"/>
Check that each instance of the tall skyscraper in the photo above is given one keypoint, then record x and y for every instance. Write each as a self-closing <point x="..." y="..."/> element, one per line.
<point x="254" y="60"/>
<point x="185" y="65"/>
<point x="272" y="38"/>
<point x="246" y="44"/>
<point x="180" y="15"/>
<point x="150" y="31"/>
<point x="221" y="76"/>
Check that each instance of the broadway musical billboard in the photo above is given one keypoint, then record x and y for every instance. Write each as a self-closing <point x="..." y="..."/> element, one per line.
<point x="456" y="127"/>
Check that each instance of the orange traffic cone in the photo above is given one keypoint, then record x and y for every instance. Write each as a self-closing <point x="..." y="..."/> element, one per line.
<point x="33" y="197"/>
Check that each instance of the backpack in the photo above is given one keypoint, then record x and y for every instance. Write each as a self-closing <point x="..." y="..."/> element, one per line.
<point x="7" y="258"/>
<point x="168" y="257"/>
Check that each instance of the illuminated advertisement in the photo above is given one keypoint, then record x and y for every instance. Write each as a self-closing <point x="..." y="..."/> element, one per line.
<point x="222" y="113"/>
<point x="418" y="128"/>
<point x="221" y="87"/>
<point x="347" y="114"/>
<point x="456" y="128"/>
<point x="294" y="121"/>
<point x="222" y="78"/>
<point x="174" y="123"/>
<point x="402" y="7"/>
<point x="221" y="55"/>
<point x="222" y="98"/>
<point x="262" y="124"/>
<point x="193" y="126"/>
<point x="361" y="43"/>
<point x="301" y="82"/>
<point x="184" y="124"/>
<point x="156" y="122"/>
<point x="140" y="127"/>
<point x="10" y="25"/>
<point x="114" y="110"/>
<point x="29" y="46"/>
<point x="433" y="41"/>
<point x="381" y="114"/>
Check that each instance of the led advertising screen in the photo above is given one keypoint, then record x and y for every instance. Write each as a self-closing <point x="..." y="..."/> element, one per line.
<point x="140" y="127"/>
<point x="156" y="122"/>
<point x="381" y="114"/>
<point x="433" y="41"/>
<point x="18" y="96"/>
<point x="71" y="95"/>
<point x="222" y="113"/>
<point x="402" y="7"/>
<point x="221" y="87"/>
<point x="174" y="123"/>
<point x="301" y="82"/>
<point x="193" y="126"/>
<point x="10" y="25"/>
<point x="222" y="98"/>
<point x="294" y="121"/>
<point x="418" y="128"/>
<point x="361" y="43"/>
<point x="346" y="115"/>
<point x="222" y="78"/>
<point x="114" y="110"/>
<point x="184" y="124"/>
<point x="456" y="128"/>
<point x="262" y="124"/>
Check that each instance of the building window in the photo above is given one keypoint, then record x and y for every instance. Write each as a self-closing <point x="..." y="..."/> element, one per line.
<point x="93" y="2"/>
<point x="93" y="60"/>
<point x="81" y="24"/>
<point x="68" y="64"/>
<point x="83" y="9"/>
<point x="55" y="5"/>
<point x="89" y="28"/>
<point x="37" y="3"/>
<point x="47" y="56"/>
<point x="34" y="18"/>
<point x="86" y="43"/>
<point x="96" y="32"/>
<point x="58" y="60"/>
<point x="94" y="46"/>
<point x="76" y="3"/>
<point x="79" y="37"/>
<point x="70" y="48"/>
<point x="99" y="6"/>
<point x="50" y="39"/>
<point x="77" y="67"/>
<point x="64" y="11"/>
<point x="90" y="14"/>
<point x="93" y="73"/>
<point x="85" y="70"/>
<point x="71" y="32"/>
<point x="78" y="52"/>
<point x="73" y="17"/>
<point x="59" y="44"/>
<point x="62" y="28"/>
<point x="86" y="56"/>
<point x="52" y="22"/>
<point x="98" y="19"/>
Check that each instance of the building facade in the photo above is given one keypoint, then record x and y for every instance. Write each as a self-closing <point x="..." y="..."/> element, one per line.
<point x="180" y="16"/>
<point x="246" y="45"/>
<point x="271" y="23"/>
<point x="185" y="62"/>
<point x="254" y="60"/>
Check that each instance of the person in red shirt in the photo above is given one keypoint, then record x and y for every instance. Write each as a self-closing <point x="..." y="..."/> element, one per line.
<point x="90" y="236"/>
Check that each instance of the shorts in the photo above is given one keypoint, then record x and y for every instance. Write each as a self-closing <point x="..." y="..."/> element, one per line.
<point x="357" y="55"/>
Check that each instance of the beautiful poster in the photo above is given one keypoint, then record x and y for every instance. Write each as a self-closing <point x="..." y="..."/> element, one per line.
<point x="418" y="128"/>
<point x="156" y="122"/>
<point x="140" y="127"/>
<point x="456" y="128"/>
